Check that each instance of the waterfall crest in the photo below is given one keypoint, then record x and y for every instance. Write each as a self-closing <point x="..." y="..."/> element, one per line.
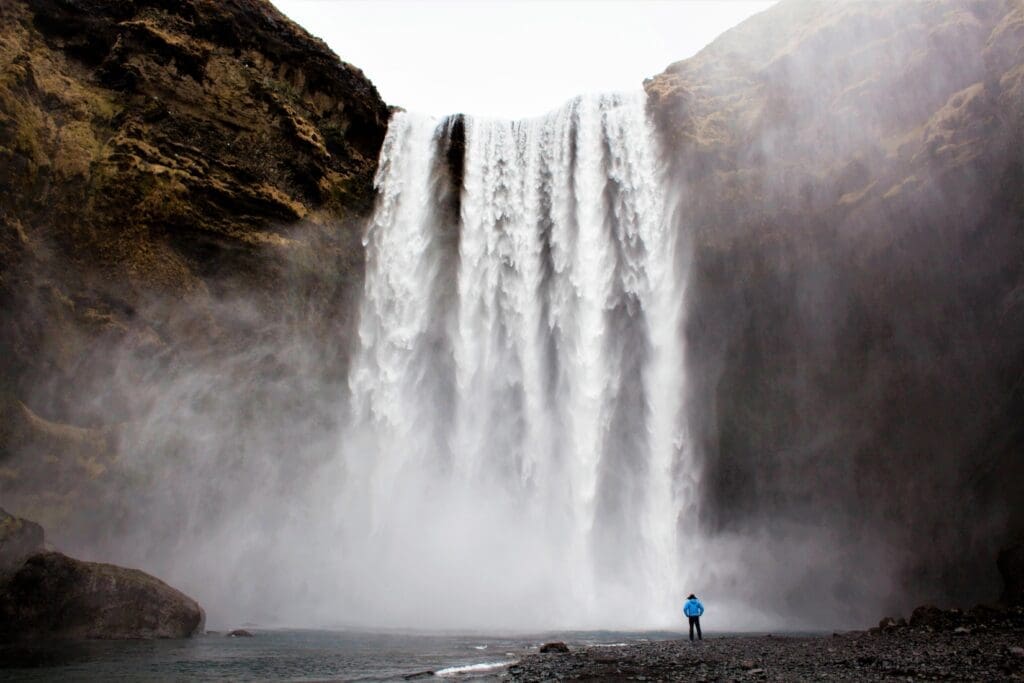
<point x="516" y="393"/>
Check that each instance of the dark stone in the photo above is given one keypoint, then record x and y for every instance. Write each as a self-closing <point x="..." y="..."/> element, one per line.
<point x="418" y="675"/>
<point x="19" y="539"/>
<point x="53" y="595"/>
<point x="558" y="646"/>
<point x="888" y="623"/>
<point x="986" y="613"/>
<point x="1011" y="567"/>
<point x="239" y="633"/>
<point x="929" y="616"/>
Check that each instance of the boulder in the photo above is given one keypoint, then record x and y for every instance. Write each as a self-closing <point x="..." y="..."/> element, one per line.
<point x="240" y="633"/>
<point x="554" y="647"/>
<point x="1011" y="567"/>
<point x="982" y="614"/>
<point x="926" y="615"/>
<point x="936" y="619"/>
<point x="19" y="538"/>
<point x="888" y="624"/>
<point x="52" y="595"/>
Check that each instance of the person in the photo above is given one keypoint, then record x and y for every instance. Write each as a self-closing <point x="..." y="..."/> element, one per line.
<point x="693" y="608"/>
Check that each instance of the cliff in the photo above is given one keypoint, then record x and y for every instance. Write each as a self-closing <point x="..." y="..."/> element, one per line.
<point x="160" y="160"/>
<point x="851" y="177"/>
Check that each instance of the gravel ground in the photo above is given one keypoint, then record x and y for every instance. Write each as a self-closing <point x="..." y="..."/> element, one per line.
<point x="950" y="645"/>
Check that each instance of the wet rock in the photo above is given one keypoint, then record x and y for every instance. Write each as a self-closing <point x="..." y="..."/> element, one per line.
<point x="53" y="595"/>
<point x="1011" y="567"/>
<point x="888" y="624"/>
<point x="419" y="675"/>
<point x="558" y="647"/>
<point x="986" y="613"/>
<point x="929" y="616"/>
<point x="19" y="539"/>
<point x="239" y="633"/>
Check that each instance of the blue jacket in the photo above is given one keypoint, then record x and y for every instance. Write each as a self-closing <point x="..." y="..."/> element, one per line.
<point x="693" y="608"/>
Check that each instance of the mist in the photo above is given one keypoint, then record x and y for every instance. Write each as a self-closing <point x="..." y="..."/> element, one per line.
<point x="850" y="305"/>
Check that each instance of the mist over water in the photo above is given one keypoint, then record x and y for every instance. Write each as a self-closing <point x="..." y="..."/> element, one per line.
<point x="516" y="392"/>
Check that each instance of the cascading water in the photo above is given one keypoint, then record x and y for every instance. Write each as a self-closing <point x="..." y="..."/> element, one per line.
<point x="516" y="393"/>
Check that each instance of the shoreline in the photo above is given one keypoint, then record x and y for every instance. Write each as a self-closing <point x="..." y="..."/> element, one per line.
<point x="983" y="644"/>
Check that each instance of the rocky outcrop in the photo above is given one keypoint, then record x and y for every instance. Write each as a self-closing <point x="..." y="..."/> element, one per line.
<point x="1011" y="568"/>
<point x="554" y="647"/>
<point x="180" y="179"/>
<point x="19" y="539"/>
<point x="53" y="595"/>
<point x="849" y="175"/>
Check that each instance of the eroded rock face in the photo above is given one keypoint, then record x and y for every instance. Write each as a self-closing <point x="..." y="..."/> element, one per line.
<point x="849" y="177"/>
<point x="53" y="595"/>
<point x="153" y="149"/>
<point x="179" y="179"/>
<point x="19" y="539"/>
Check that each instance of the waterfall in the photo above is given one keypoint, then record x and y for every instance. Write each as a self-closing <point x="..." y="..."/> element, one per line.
<point x="516" y="394"/>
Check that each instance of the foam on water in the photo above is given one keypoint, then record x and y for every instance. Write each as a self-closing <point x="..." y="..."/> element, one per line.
<point x="483" y="667"/>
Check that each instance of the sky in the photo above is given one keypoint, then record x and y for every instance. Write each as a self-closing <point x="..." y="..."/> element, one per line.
<point x="512" y="58"/>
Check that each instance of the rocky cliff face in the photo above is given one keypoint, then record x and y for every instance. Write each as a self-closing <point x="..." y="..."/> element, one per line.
<point x="851" y="175"/>
<point x="157" y="160"/>
<point x="19" y="539"/>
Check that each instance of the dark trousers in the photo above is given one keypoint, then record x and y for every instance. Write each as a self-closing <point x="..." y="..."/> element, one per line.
<point x="695" y="621"/>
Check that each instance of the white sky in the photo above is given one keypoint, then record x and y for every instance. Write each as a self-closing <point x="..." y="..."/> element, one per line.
<point x="508" y="58"/>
